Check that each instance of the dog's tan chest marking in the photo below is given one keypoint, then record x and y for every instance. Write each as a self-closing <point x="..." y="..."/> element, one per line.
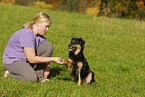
<point x="78" y="49"/>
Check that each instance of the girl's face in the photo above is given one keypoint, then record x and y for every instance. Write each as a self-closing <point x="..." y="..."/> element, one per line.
<point x="43" y="27"/>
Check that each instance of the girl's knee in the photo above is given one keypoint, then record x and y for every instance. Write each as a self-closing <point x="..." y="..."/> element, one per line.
<point x="45" y="49"/>
<point x="34" y="79"/>
<point x="31" y="78"/>
<point x="47" y="44"/>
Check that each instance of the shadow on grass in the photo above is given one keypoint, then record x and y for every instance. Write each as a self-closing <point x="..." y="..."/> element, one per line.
<point x="66" y="79"/>
<point x="54" y="72"/>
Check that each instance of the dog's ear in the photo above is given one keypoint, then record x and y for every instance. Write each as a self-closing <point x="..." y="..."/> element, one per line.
<point x="81" y="41"/>
<point x="73" y="38"/>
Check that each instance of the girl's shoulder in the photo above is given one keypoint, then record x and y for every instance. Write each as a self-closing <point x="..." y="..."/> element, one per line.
<point x="24" y="31"/>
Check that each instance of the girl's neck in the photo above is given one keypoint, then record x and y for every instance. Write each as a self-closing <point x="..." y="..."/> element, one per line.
<point x="35" y="30"/>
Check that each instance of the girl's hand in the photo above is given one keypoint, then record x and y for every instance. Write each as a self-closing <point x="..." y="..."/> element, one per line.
<point x="59" y="60"/>
<point x="64" y="62"/>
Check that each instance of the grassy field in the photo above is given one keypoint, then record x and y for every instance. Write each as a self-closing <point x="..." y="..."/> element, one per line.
<point x="114" y="49"/>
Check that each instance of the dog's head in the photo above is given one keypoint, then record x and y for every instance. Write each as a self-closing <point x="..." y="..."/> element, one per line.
<point x="76" y="46"/>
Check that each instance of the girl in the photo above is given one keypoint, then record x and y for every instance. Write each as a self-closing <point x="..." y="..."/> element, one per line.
<point x="28" y="47"/>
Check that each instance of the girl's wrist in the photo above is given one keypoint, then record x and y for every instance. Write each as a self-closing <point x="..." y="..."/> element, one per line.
<point x="51" y="59"/>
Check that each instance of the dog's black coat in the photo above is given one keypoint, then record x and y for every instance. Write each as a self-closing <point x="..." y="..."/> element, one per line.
<point x="78" y="63"/>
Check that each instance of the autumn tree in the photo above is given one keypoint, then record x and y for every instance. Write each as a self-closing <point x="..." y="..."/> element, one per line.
<point x="53" y="2"/>
<point x="24" y="2"/>
<point x="69" y="5"/>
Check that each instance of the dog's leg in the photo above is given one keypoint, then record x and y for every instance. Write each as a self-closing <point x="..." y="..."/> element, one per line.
<point x="79" y="81"/>
<point x="74" y="74"/>
<point x="80" y="64"/>
<point x="89" y="78"/>
<point x="68" y="64"/>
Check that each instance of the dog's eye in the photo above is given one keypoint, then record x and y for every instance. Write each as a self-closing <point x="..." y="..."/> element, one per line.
<point x="75" y="43"/>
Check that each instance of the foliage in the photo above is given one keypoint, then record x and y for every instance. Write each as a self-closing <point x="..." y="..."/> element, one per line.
<point x="53" y="2"/>
<point x="140" y="11"/>
<point x="114" y="49"/>
<point x="84" y="4"/>
<point x="127" y="8"/>
<point x="75" y="4"/>
<point x="8" y="1"/>
<point x="24" y="2"/>
<point x="69" y="5"/>
<point x="94" y="11"/>
<point x="111" y="8"/>
<point x="43" y="5"/>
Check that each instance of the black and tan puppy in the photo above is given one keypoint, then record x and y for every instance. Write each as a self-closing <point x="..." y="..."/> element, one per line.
<point x="77" y="63"/>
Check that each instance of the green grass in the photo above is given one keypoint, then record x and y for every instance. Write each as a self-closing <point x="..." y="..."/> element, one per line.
<point x="114" y="49"/>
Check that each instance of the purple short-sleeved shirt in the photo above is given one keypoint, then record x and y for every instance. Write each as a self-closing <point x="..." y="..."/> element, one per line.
<point x="22" y="38"/>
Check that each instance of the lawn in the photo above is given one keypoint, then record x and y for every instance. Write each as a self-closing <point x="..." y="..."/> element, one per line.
<point x="114" y="49"/>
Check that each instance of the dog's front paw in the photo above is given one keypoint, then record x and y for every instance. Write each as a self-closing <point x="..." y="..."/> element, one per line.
<point x="68" y="65"/>
<point x="79" y="82"/>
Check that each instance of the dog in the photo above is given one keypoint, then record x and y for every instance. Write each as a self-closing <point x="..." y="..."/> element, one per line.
<point x="78" y="64"/>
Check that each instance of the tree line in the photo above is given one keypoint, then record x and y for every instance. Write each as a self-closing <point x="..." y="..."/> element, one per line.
<point x="111" y="8"/>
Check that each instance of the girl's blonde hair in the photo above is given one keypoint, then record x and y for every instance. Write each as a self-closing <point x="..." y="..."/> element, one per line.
<point x="40" y="17"/>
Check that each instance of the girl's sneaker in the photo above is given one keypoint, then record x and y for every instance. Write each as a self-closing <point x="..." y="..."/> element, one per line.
<point x="44" y="80"/>
<point x="6" y="73"/>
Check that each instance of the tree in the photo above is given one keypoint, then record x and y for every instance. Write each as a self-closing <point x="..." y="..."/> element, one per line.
<point x="75" y="5"/>
<point x="62" y="5"/>
<point x="25" y="2"/>
<point x="105" y="8"/>
<point x="53" y="2"/>
<point x="69" y="5"/>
